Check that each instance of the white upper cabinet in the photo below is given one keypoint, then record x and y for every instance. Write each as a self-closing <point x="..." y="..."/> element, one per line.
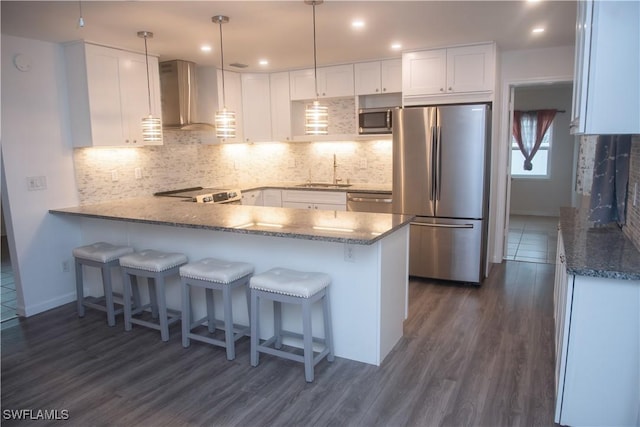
<point x="378" y="77"/>
<point x="606" y="91"/>
<point x="336" y="81"/>
<point x="280" y="107"/>
<point x="108" y="95"/>
<point x="256" y="107"/>
<point x="457" y="73"/>
<point x="233" y="98"/>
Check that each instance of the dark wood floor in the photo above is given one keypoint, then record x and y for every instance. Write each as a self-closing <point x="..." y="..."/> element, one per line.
<point x="470" y="356"/>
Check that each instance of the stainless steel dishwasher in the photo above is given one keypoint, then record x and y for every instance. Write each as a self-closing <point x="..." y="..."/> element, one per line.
<point x="369" y="202"/>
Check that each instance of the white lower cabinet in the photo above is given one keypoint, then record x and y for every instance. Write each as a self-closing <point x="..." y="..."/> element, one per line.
<point x="272" y="197"/>
<point x="597" y="350"/>
<point x="253" y="198"/>
<point x="320" y="200"/>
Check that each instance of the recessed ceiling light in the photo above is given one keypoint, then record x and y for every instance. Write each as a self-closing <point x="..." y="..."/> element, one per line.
<point x="263" y="62"/>
<point x="538" y="30"/>
<point x="205" y="48"/>
<point x="396" y="46"/>
<point x="358" y="23"/>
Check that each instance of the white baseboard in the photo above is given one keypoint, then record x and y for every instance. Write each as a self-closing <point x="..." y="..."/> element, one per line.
<point x="534" y="213"/>
<point x="43" y="306"/>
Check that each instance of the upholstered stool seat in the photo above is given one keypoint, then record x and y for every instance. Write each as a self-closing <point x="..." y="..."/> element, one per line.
<point x="214" y="274"/>
<point x="156" y="266"/>
<point x="282" y="285"/>
<point x="104" y="256"/>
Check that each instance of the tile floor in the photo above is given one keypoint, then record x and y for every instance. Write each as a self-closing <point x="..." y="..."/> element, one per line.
<point x="8" y="287"/>
<point x="532" y="239"/>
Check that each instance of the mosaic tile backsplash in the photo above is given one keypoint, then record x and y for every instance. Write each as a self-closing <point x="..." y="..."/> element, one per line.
<point x="186" y="160"/>
<point x="632" y="227"/>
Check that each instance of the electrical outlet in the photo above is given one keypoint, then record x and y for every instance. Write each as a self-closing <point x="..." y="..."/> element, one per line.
<point x="114" y="175"/>
<point x="65" y="266"/>
<point x="349" y="253"/>
<point x="138" y="173"/>
<point x="363" y="163"/>
<point x="35" y="183"/>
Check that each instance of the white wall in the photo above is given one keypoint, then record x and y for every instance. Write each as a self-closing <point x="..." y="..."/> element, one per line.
<point x="535" y="196"/>
<point x="35" y="142"/>
<point x="518" y="68"/>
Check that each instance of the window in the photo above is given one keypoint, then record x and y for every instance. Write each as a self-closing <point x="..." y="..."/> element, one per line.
<point x="540" y="162"/>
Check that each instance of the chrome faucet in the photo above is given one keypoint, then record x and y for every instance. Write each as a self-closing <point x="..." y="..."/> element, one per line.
<point x="335" y="167"/>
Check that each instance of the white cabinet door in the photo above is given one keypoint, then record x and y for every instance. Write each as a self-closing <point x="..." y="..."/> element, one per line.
<point x="108" y="95"/>
<point x="607" y="69"/>
<point x="272" y="197"/>
<point x="321" y="200"/>
<point x="391" y="75"/>
<point x="470" y="68"/>
<point x="297" y="205"/>
<point x="256" y="107"/>
<point x="233" y="98"/>
<point x="451" y="71"/>
<point x="302" y="85"/>
<point x="377" y="77"/>
<point x="424" y="72"/>
<point x="336" y="81"/>
<point x="280" y="107"/>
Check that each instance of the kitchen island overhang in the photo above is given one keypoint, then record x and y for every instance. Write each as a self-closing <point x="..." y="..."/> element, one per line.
<point x="366" y="255"/>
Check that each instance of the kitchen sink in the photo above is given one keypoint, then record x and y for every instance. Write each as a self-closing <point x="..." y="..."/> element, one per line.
<point x="323" y="185"/>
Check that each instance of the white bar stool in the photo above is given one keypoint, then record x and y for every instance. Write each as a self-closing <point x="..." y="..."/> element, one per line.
<point x="156" y="266"/>
<point x="282" y="285"/>
<point x="104" y="256"/>
<point x="214" y="274"/>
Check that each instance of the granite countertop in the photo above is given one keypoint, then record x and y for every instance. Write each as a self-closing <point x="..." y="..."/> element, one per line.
<point x="333" y="226"/>
<point x="356" y="187"/>
<point x="597" y="251"/>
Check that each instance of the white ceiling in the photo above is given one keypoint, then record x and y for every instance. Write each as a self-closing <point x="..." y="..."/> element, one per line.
<point x="282" y="31"/>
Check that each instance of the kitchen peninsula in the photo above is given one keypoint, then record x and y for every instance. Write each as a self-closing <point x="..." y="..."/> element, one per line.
<point x="364" y="253"/>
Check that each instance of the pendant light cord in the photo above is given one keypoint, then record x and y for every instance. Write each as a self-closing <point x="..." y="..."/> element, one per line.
<point x="146" y="58"/>
<point x="315" y="62"/>
<point x="224" y="102"/>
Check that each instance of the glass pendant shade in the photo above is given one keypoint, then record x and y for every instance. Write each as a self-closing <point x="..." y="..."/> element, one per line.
<point x="225" y="122"/>
<point x="151" y="126"/>
<point x="316" y="119"/>
<point x="151" y="129"/>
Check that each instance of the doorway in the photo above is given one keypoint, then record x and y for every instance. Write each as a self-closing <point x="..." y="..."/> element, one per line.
<point x="534" y="197"/>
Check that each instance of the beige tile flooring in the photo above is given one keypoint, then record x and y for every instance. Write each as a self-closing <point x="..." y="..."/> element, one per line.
<point x="532" y="239"/>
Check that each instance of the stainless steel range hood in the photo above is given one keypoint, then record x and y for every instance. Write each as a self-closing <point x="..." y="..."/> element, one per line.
<point x="180" y="96"/>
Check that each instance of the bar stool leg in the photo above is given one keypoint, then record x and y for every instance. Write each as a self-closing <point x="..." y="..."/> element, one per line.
<point x="108" y="295"/>
<point x="79" y="289"/>
<point x="127" y="300"/>
<point x="153" y="296"/>
<point x="229" y="337"/>
<point x="211" y="310"/>
<point x="161" y="299"/>
<point x="277" y="323"/>
<point x="135" y="291"/>
<point x="255" y="328"/>
<point x="307" y="340"/>
<point x="328" y="331"/>
<point x="186" y="314"/>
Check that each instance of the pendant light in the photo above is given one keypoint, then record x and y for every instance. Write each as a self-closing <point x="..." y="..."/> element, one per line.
<point x="316" y="116"/>
<point x="225" y="120"/>
<point x="151" y="126"/>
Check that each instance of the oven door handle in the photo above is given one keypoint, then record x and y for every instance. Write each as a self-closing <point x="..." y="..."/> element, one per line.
<point x="365" y="199"/>
<point x="424" y="224"/>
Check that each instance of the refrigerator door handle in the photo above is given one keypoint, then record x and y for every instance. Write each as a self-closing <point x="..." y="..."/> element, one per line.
<point x="423" y="224"/>
<point x="438" y="161"/>
<point x="432" y="190"/>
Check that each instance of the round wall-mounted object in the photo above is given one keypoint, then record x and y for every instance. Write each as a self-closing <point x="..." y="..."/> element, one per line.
<point x="22" y="62"/>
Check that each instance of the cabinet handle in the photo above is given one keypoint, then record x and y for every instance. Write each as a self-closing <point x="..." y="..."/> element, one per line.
<point x="441" y="89"/>
<point x="377" y="90"/>
<point x="450" y="89"/>
<point x="384" y="89"/>
<point x="562" y="259"/>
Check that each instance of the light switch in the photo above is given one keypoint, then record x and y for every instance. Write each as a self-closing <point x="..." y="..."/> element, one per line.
<point x="36" y="183"/>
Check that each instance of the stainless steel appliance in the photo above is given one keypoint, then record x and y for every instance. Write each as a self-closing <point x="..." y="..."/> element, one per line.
<point x="440" y="165"/>
<point x="204" y="195"/>
<point x="375" y="120"/>
<point x="369" y="202"/>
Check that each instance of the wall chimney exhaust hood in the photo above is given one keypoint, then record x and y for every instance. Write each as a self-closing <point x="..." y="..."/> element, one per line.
<point x="180" y="96"/>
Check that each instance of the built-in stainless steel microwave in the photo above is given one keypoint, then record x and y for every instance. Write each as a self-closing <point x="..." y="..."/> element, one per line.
<point x="374" y="120"/>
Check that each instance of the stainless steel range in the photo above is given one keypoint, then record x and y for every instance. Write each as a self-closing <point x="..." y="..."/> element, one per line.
<point x="204" y="195"/>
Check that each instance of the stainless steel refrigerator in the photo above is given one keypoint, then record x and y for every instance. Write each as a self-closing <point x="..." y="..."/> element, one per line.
<point x="440" y="168"/>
